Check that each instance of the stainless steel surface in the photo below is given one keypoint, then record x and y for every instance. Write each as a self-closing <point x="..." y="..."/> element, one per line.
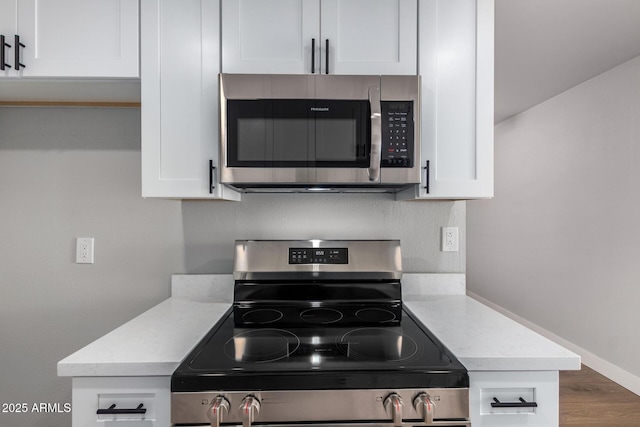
<point x="317" y="86"/>
<point x="393" y="405"/>
<point x="424" y="405"/>
<point x="249" y="410"/>
<point x="269" y="259"/>
<point x="376" y="134"/>
<point x="325" y="406"/>
<point x="217" y="411"/>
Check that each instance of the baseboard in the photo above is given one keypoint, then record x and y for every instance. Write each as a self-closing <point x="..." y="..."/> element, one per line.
<point x="598" y="364"/>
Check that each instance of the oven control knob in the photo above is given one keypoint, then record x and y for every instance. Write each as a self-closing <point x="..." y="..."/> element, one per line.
<point x="425" y="407"/>
<point x="218" y="409"/>
<point x="393" y="405"/>
<point x="249" y="409"/>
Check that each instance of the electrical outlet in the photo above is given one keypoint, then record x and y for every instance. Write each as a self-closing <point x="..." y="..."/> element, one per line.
<point x="449" y="239"/>
<point x="84" y="250"/>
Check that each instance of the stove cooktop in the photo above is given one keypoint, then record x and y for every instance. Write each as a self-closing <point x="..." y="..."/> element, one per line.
<point x="234" y="358"/>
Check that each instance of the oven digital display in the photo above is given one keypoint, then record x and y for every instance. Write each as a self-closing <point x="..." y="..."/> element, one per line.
<point x="318" y="256"/>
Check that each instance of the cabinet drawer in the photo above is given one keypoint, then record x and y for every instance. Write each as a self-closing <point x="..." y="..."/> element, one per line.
<point x="121" y="401"/>
<point x="514" y="399"/>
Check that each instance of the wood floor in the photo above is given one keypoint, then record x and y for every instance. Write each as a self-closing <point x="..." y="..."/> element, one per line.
<point x="591" y="400"/>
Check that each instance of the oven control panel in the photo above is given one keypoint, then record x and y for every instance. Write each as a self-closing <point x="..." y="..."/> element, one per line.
<point x="318" y="256"/>
<point x="397" y="134"/>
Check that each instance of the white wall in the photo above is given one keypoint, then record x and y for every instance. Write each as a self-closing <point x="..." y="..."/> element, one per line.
<point x="72" y="172"/>
<point x="560" y="243"/>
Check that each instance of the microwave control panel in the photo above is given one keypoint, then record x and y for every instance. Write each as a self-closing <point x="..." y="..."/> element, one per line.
<point x="397" y="134"/>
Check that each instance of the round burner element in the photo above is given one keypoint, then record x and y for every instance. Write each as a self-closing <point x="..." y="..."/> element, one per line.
<point x="375" y="315"/>
<point x="378" y="344"/>
<point x="261" y="345"/>
<point x="321" y="316"/>
<point x="262" y="316"/>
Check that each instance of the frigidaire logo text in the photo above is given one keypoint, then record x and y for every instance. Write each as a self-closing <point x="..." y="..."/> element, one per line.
<point x="319" y="109"/>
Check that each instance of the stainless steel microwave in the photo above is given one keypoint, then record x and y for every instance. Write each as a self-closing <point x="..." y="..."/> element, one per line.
<point x="319" y="132"/>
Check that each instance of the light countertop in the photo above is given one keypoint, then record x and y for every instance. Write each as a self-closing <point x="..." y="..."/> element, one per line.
<point x="154" y="343"/>
<point x="485" y="340"/>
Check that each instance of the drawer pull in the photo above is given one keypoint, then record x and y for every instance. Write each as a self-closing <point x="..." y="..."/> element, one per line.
<point x="112" y="410"/>
<point x="521" y="404"/>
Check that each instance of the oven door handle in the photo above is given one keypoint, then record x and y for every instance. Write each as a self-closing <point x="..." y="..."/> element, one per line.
<point x="376" y="134"/>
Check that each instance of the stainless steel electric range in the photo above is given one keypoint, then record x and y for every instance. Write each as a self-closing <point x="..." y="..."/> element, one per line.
<point x="318" y="335"/>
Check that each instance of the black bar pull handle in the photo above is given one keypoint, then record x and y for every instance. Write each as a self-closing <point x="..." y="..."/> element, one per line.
<point x="521" y="404"/>
<point x="326" y="56"/>
<point x="112" y="410"/>
<point x="18" y="45"/>
<point x="313" y="56"/>
<point x="212" y="172"/>
<point x="426" y="172"/>
<point x="3" y="56"/>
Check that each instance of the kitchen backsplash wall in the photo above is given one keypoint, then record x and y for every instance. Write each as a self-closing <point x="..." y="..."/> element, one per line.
<point x="211" y="228"/>
<point x="75" y="172"/>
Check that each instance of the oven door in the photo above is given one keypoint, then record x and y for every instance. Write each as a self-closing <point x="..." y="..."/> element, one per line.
<point x="300" y="130"/>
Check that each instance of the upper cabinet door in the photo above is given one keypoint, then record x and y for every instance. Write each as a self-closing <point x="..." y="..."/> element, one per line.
<point x="370" y="36"/>
<point x="290" y="36"/>
<point x="270" y="36"/>
<point x="78" y="38"/>
<point x="8" y="13"/>
<point x="179" y="88"/>
<point x="456" y="66"/>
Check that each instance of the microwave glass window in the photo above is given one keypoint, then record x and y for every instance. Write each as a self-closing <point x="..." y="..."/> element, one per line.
<point x="336" y="140"/>
<point x="291" y="139"/>
<point x="255" y="140"/>
<point x="298" y="133"/>
<point x="268" y="140"/>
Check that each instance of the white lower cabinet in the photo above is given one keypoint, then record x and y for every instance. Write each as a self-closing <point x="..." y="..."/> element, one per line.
<point x="91" y="395"/>
<point x="509" y="388"/>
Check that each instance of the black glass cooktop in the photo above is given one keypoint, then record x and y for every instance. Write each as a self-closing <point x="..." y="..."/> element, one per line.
<point x="319" y="358"/>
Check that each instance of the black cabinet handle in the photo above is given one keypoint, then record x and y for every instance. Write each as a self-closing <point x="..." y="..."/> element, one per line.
<point x="313" y="56"/>
<point x="326" y="56"/>
<point x="212" y="170"/>
<point x="521" y="404"/>
<point x="17" y="64"/>
<point x="3" y="56"/>
<point x="112" y="410"/>
<point x="426" y="169"/>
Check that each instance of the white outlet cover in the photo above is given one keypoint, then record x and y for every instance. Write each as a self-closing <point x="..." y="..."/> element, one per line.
<point x="450" y="239"/>
<point x="84" y="250"/>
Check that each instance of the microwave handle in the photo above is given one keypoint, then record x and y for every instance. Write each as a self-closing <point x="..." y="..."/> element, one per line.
<point x="376" y="134"/>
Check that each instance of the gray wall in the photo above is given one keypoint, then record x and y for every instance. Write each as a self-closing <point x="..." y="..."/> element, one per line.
<point x="211" y="228"/>
<point x="71" y="172"/>
<point x="560" y="243"/>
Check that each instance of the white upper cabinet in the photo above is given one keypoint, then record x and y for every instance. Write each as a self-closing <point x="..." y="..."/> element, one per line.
<point x="70" y="38"/>
<point x="366" y="35"/>
<point x="319" y="36"/>
<point x="181" y="61"/>
<point x="456" y="67"/>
